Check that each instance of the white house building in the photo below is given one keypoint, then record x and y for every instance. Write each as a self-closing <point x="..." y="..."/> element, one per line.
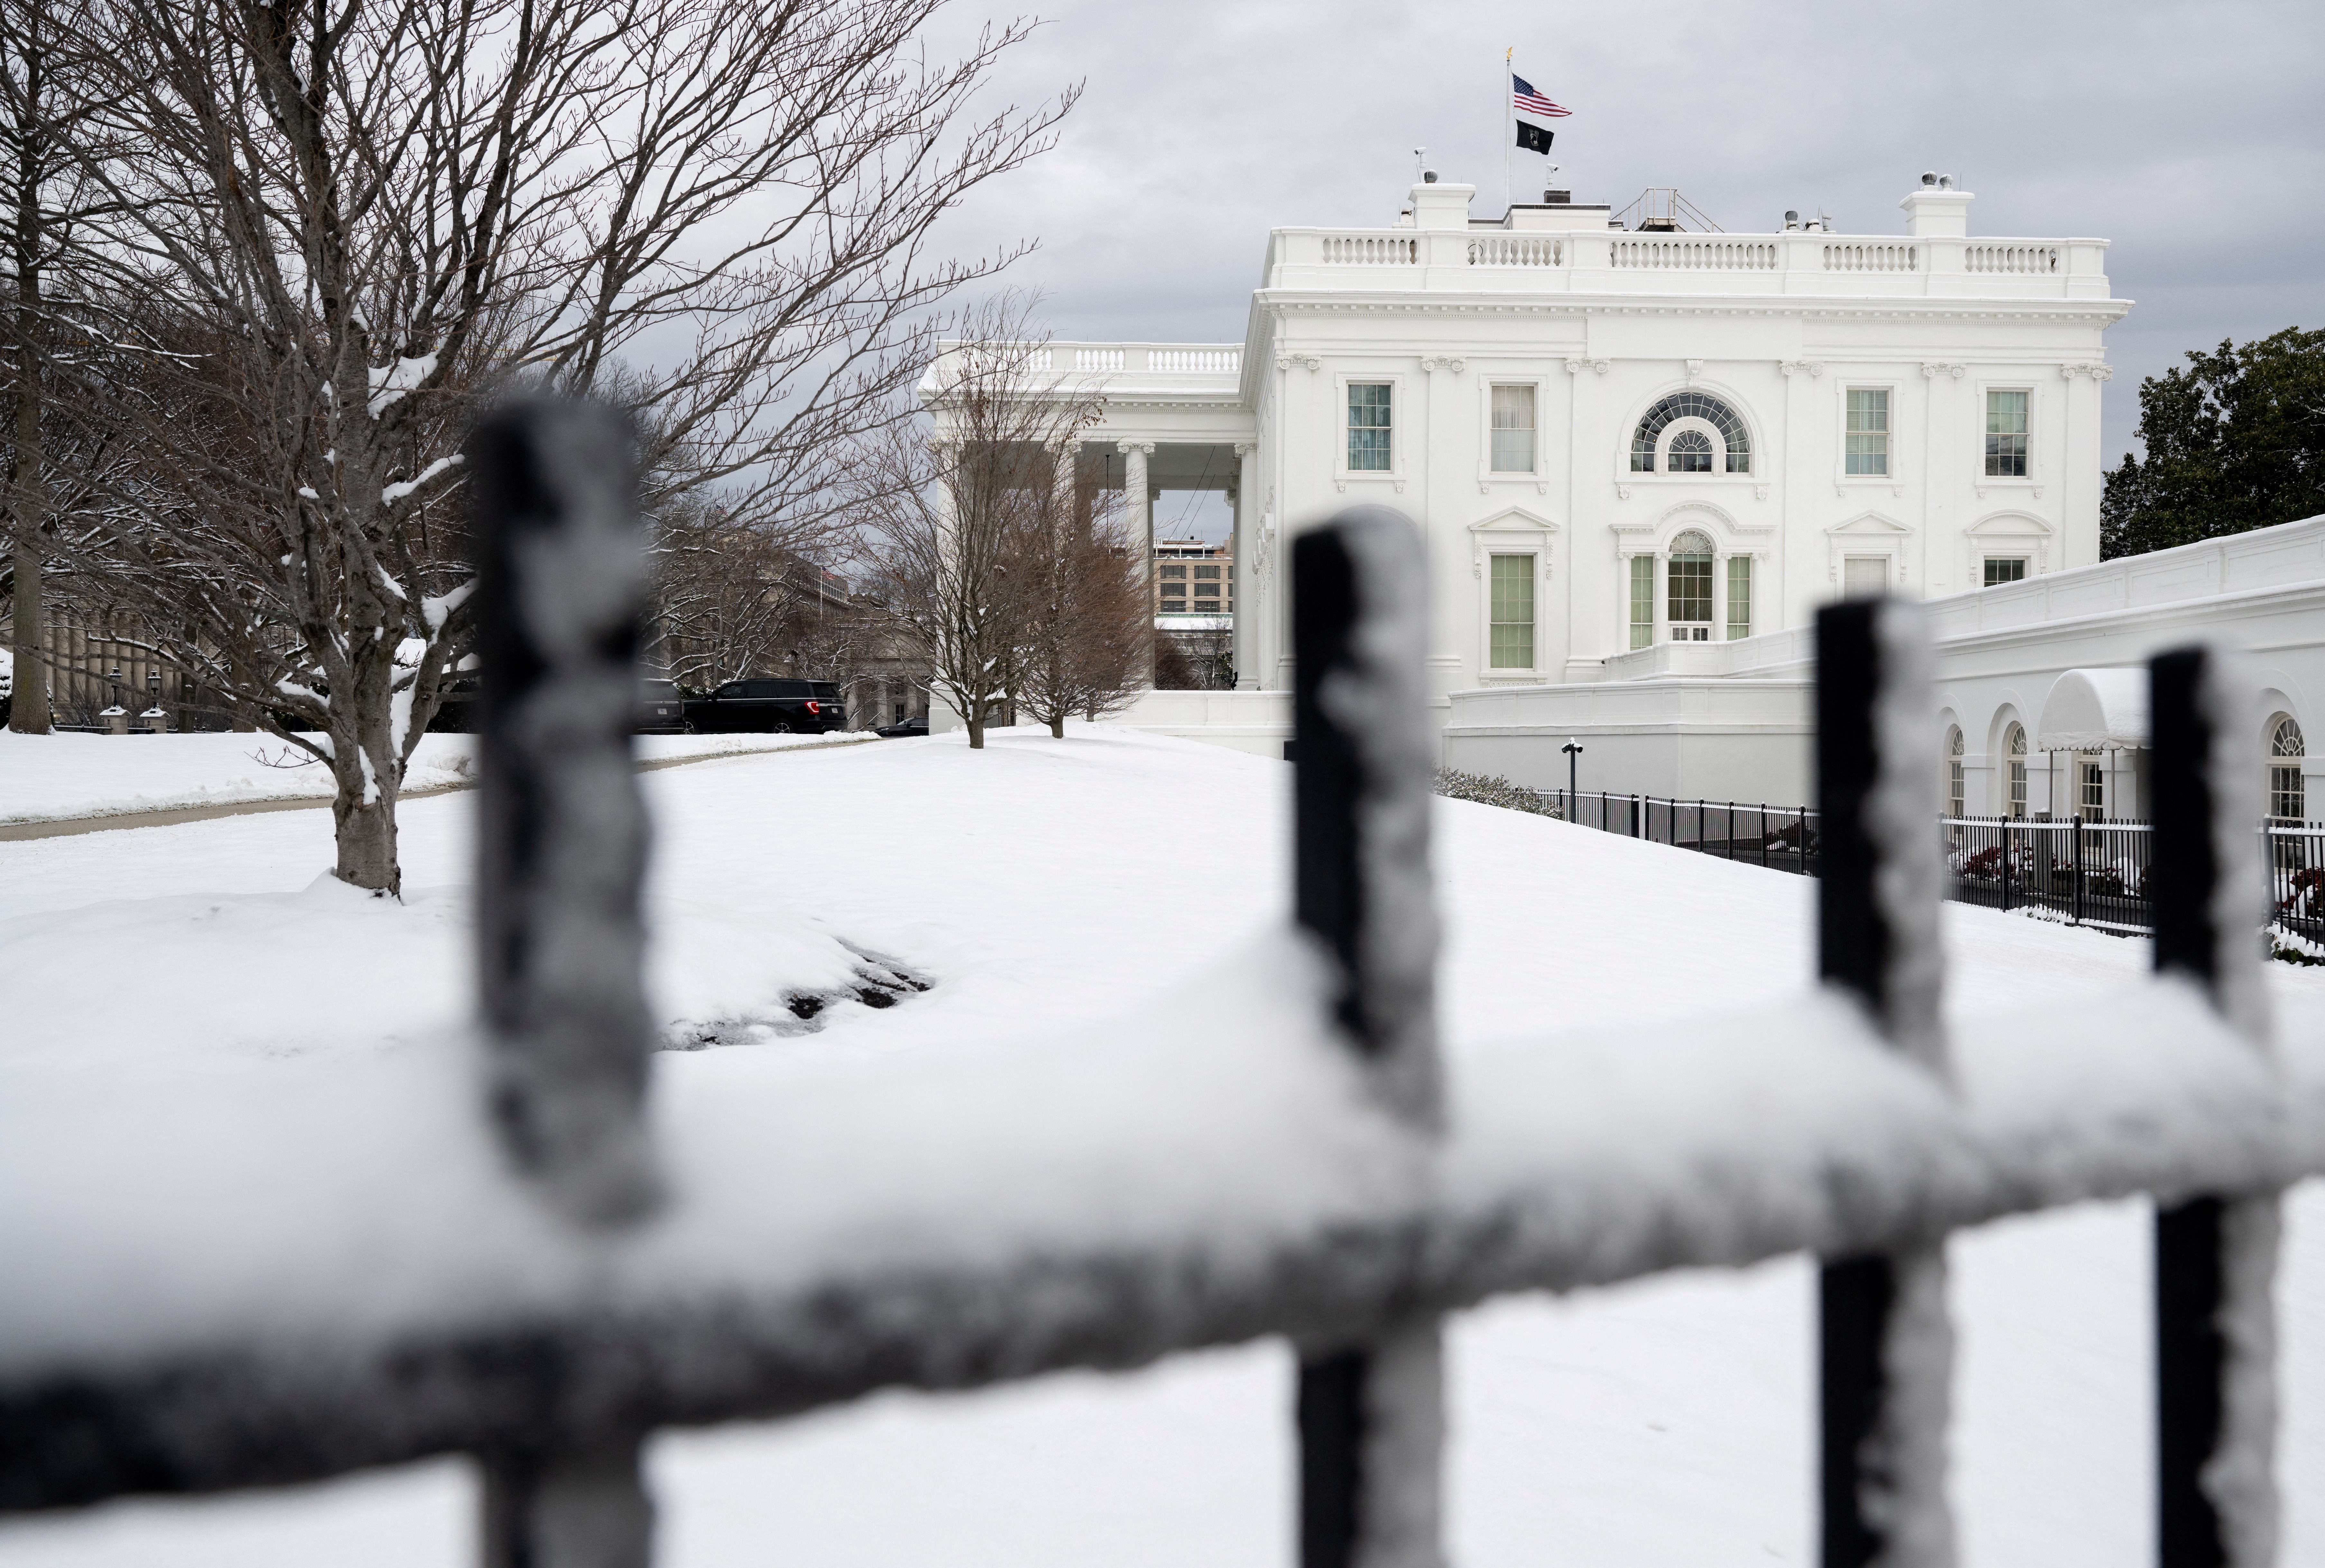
<point x="1641" y="458"/>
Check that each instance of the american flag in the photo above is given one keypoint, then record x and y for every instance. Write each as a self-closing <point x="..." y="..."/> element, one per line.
<point x="1531" y="102"/>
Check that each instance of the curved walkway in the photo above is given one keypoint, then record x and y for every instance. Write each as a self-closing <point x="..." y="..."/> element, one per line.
<point x="171" y="816"/>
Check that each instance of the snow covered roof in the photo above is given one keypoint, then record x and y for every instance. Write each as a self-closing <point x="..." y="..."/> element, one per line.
<point x="2090" y="709"/>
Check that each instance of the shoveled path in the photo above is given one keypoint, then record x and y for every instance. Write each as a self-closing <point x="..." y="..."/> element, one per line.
<point x="171" y="816"/>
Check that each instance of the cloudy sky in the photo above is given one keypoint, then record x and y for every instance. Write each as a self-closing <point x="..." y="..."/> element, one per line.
<point x="2192" y="136"/>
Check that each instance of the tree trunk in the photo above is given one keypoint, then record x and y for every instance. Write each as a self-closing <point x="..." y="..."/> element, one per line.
<point x="366" y="841"/>
<point x="29" y="711"/>
<point x="1058" y="726"/>
<point x="363" y="813"/>
<point x="976" y="732"/>
<point x="28" y="509"/>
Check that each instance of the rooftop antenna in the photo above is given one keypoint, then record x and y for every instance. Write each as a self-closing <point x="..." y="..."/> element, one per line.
<point x="1419" y="163"/>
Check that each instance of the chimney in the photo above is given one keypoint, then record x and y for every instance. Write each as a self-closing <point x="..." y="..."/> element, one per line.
<point x="1937" y="210"/>
<point x="1438" y="206"/>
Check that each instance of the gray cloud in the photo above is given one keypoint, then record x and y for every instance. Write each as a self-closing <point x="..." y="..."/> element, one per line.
<point x="2186" y="134"/>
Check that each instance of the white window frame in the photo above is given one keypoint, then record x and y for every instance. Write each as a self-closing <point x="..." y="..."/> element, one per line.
<point x="1988" y="558"/>
<point x="1724" y="630"/>
<point x="1534" y="576"/>
<point x="1626" y="478"/>
<point x="1399" y="409"/>
<point x="2295" y="763"/>
<point x="1870" y="532"/>
<point x="2037" y="413"/>
<point x="1887" y="559"/>
<point x="1894" y="479"/>
<point x="1513" y="531"/>
<point x="2008" y="533"/>
<point x="1488" y="475"/>
<point x="1715" y="590"/>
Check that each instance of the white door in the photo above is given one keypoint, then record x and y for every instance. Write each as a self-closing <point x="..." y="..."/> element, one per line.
<point x="1863" y="576"/>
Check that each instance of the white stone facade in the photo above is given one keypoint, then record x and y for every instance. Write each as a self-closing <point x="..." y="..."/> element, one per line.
<point x="1734" y="721"/>
<point x="1764" y="336"/>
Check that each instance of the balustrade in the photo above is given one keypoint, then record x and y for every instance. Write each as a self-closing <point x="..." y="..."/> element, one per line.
<point x="1370" y="250"/>
<point x="1515" y="251"/>
<point x="1860" y="256"/>
<point x="1191" y="359"/>
<point x="1696" y="254"/>
<point x="2011" y="258"/>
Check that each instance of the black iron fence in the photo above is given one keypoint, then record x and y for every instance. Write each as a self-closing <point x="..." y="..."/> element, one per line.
<point x="550" y="1310"/>
<point x="2084" y="872"/>
<point x="1781" y="838"/>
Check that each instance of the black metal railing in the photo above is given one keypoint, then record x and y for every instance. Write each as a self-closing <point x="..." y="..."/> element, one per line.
<point x="2083" y="872"/>
<point x="2086" y="873"/>
<point x="549" y="1311"/>
<point x="1780" y="837"/>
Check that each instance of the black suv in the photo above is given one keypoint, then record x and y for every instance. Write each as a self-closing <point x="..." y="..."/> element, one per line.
<point x="799" y="707"/>
<point x="661" y="710"/>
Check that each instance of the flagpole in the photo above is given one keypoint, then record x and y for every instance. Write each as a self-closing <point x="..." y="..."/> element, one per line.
<point x="1509" y="123"/>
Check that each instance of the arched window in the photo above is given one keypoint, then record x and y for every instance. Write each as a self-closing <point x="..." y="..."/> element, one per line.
<point x="1955" y="793"/>
<point x="1687" y="587"/>
<point x="2013" y="745"/>
<point x="2287" y="801"/>
<point x="1690" y="448"/>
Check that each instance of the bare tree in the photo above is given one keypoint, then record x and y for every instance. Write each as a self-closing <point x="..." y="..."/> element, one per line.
<point x="947" y="513"/>
<point x="47" y="206"/>
<point x="721" y="597"/>
<point x="368" y="218"/>
<point x="1203" y="660"/>
<point x="1089" y="629"/>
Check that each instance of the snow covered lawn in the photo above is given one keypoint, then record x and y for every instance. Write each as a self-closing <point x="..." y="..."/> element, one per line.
<point x="1041" y="882"/>
<point x="44" y="778"/>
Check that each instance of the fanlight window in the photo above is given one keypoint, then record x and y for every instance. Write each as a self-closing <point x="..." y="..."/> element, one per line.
<point x="1695" y="456"/>
<point x="1956" y="794"/>
<point x="2287" y="799"/>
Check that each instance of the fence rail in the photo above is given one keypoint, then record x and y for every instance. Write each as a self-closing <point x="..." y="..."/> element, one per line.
<point x="538" y="1275"/>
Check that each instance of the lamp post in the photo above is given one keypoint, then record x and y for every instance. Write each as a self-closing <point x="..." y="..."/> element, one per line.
<point x="1573" y="758"/>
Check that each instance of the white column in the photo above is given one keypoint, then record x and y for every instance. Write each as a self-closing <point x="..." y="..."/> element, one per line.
<point x="1134" y="490"/>
<point x="1718" y="594"/>
<point x="1246" y="606"/>
<point x="1142" y="522"/>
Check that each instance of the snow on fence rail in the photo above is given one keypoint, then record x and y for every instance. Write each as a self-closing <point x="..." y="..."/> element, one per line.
<point x="539" y="1276"/>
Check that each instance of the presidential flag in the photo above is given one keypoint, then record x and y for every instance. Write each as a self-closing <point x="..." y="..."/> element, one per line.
<point x="1534" y="138"/>
<point x="1530" y="102"/>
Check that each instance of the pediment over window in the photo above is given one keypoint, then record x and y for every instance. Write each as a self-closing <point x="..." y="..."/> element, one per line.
<point x="1514" y="520"/>
<point x="1699" y="513"/>
<point x="2009" y="525"/>
<point x="1871" y="526"/>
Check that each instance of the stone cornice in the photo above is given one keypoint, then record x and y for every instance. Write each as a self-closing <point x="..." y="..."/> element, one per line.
<point x="2100" y="312"/>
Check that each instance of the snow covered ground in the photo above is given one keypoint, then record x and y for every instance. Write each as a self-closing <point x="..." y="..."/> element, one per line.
<point x="44" y="777"/>
<point x="1665" y="1422"/>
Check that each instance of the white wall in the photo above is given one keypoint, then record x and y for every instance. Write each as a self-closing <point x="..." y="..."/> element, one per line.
<point x="1733" y="721"/>
<point x="1778" y="327"/>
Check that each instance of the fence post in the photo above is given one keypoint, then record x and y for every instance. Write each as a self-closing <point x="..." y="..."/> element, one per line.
<point x="2075" y="883"/>
<point x="2005" y="864"/>
<point x="1887" y="1346"/>
<point x="2215" y="1256"/>
<point x="561" y="847"/>
<point x="1371" y="1415"/>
